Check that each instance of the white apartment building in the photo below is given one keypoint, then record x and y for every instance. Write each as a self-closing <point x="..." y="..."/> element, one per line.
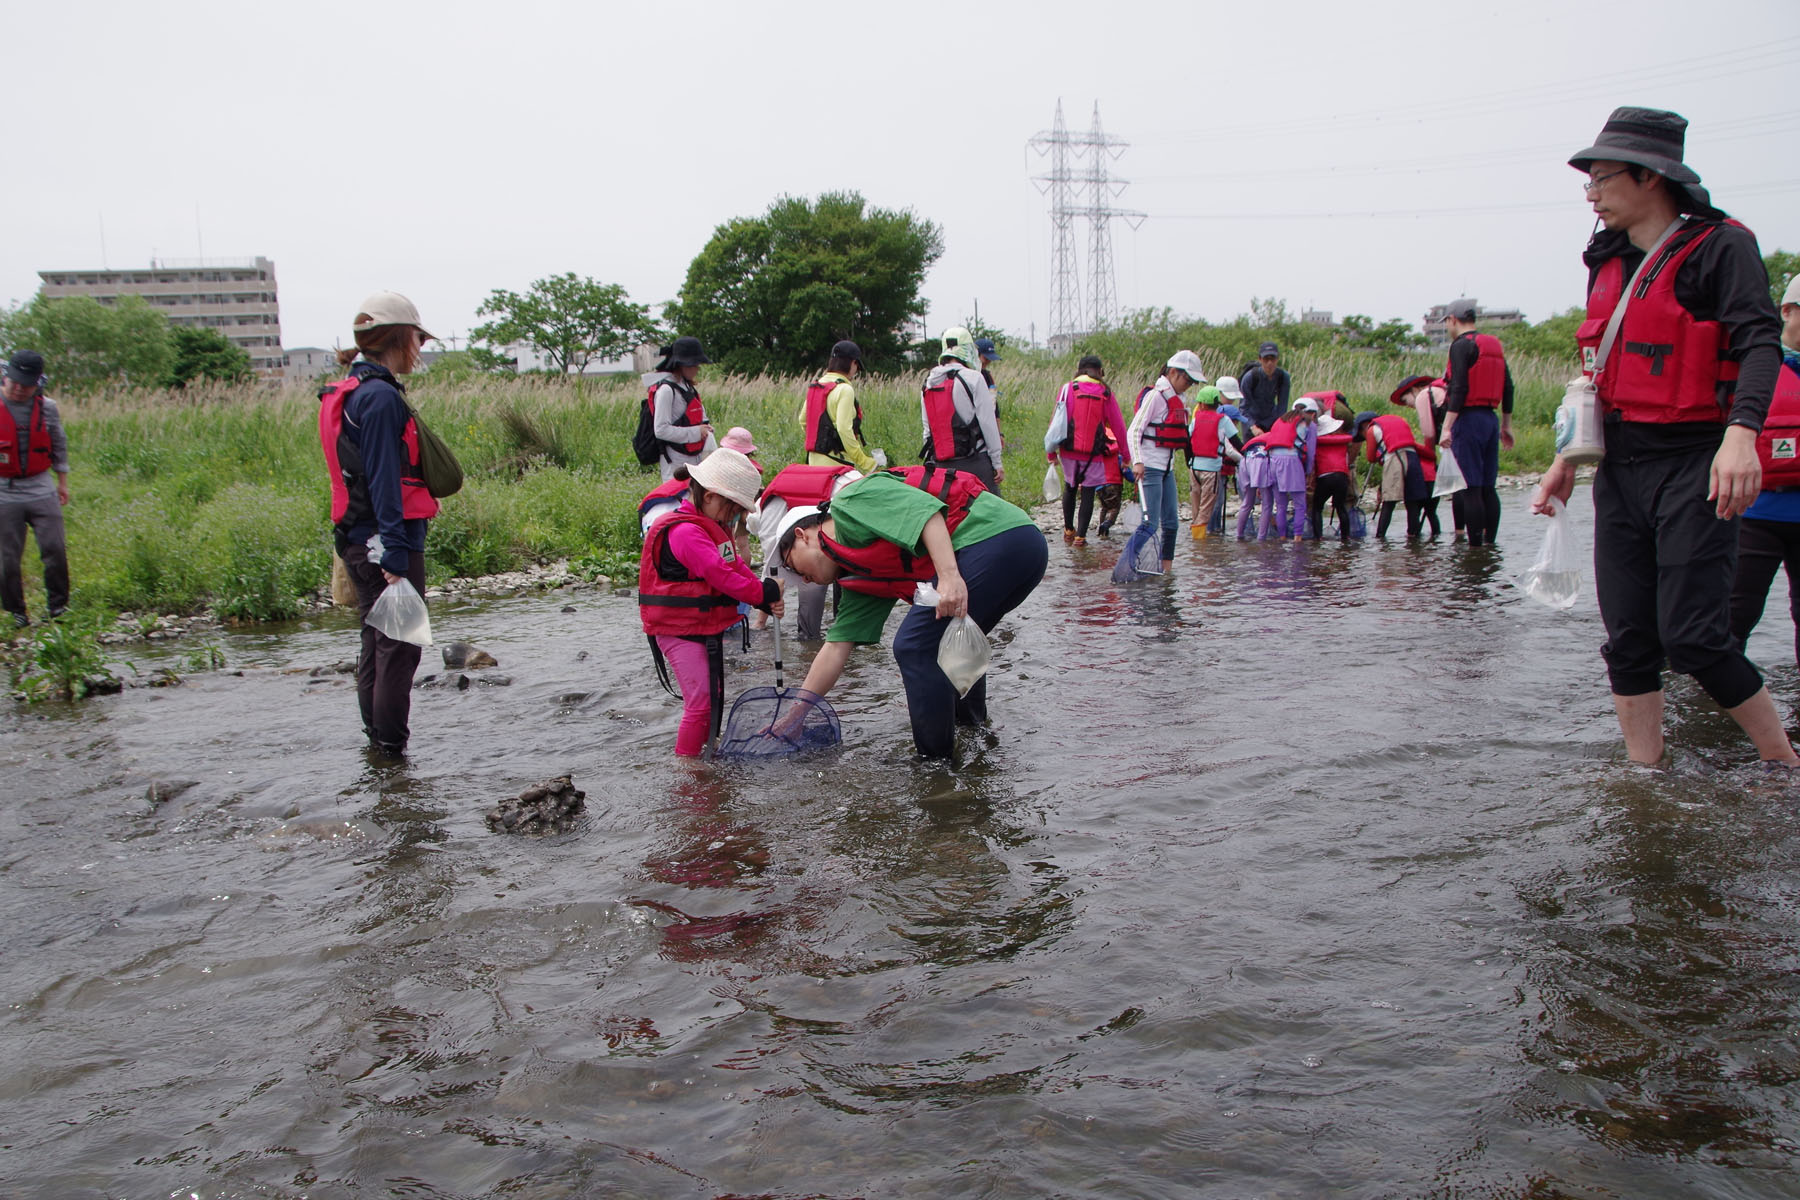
<point x="237" y="297"/>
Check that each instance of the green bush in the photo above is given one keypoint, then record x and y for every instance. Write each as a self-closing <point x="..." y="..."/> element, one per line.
<point x="58" y="660"/>
<point x="153" y="563"/>
<point x="267" y="550"/>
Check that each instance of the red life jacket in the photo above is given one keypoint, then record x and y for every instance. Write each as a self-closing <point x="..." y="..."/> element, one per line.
<point x="1283" y="435"/>
<point x="884" y="569"/>
<point x="1396" y="434"/>
<point x="1778" y="445"/>
<point x="1333" y="455"/>
<point x="694" y="414"/>
<point x="804" y="486"/>
<point x="822" y="436"/>
<point x="674" y="489"/>
<point x="1665" y="365"/>
<point x="1327" y="400"/>
<point x="1110" y="470"/>
<point x="25" y="451"/>
<point x="1487" y="374"/>
<point x="950" y="435"/>
<point x="1086" y="403"/>
<point x="350" y="504"/>
<point x="1204" y="441"/>
<point x="1171" y="432"/>
<point x="672" y="601"/>
<point x="1428" y="461"/>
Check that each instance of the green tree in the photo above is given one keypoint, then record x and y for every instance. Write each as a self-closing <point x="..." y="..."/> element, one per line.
<point x="201" y="353"/>
<point x="571" y="320"/>
<point x="1553" y="337"/>
<point x="1783" y="265"/>
<point x="86" y="343"/>
<point x="1392" y="337"/>
<point x="772" y="293"/>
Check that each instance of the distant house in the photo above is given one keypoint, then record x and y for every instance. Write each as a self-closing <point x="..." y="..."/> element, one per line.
<point x="303" y="364"/>
<point x="1488" y="318"/>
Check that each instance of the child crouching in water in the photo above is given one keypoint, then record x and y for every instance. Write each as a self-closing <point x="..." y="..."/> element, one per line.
<point x="691" y="579"/>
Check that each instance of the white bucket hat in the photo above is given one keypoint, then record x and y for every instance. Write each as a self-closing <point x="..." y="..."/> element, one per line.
<point x="729" y="474"/>
<point x="387" y="308"/>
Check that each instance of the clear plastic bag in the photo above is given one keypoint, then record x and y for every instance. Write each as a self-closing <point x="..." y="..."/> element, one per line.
<point x="399" y="612"/>
<point x="1053" y="482"/>
<point x="1555" y="578"/>
<point x="963" y="652"/>
<point x="1449" y="474"/>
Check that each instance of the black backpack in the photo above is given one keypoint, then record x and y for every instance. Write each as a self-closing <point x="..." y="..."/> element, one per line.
<point x="644" y="442"/>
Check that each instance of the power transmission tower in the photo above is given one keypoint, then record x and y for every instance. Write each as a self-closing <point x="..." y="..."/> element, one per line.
<point x="1063" y="185"/>
<point x="1103" y="288"/>
<point x="1065" y="271"/>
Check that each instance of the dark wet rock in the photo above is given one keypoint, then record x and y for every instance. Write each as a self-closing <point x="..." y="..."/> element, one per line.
<point x="574" y="697"/>
<point x="460" y="656"/>
<point x="454" y="680"/>
<point x="551" y="806"/>
<point x="581" y="656"/>
<point x="347" y="667"/>
<point x="105" y="686"/>
<point x="495" y="680"/>
<point x="161" y="791"/>
<point x="162" y="677"/>
<point x="568" y="608"/>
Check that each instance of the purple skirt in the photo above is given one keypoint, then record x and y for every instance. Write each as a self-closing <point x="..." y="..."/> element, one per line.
<point x="1256" y="472"/>
<point x="1287" y="472"/>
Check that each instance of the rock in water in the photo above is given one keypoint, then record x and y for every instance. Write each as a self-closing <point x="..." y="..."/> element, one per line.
<point x="164" y="790"/>
<point x="547" y="807"/>
<point x="460" y="656"/>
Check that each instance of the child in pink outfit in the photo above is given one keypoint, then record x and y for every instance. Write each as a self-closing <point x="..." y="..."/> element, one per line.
<point x="691" y="579"/>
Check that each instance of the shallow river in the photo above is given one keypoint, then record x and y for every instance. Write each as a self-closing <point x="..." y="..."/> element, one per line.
<point x="1299" y="872"/>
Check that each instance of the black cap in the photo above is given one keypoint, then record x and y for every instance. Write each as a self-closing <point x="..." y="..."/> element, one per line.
<point x="1267" y="349"/>
<point x="847" y="349"/>
<point x="26" y="367"/>
<point x="1462" y="310"/>
<point x="1361" y="425"/>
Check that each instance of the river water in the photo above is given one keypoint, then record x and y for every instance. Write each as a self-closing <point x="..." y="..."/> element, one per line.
<point x="1303" y="871"/>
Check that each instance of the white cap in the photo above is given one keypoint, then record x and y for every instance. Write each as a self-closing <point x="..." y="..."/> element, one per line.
<point x="1189" y="363"/>
<point x="1307" y="404"/>
<point x="386" y="308"/>
<point x="1792" y="295"/>
<point x="959" y="345"/>
<point x="1228" y="388"/>
<point x="729" y="474"/>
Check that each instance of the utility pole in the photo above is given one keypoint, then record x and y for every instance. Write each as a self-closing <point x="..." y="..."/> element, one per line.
<point x="1065" y="272"/>
<point x="1061" y="184"/>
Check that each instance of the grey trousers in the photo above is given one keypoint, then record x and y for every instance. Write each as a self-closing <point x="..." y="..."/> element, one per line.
<point x="44" y="515"/>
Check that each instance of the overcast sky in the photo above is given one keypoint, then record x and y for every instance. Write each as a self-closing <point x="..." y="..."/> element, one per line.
<point x="1373" y="158"/>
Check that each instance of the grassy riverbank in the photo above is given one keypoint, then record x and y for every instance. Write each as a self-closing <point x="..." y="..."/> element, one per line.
<point x="217" y="498"/>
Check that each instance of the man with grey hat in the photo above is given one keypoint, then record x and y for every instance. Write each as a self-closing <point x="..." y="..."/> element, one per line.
<point x="32" y="449"/>
<point x="1682" y="344"/>
<point x="1479" y="384"/>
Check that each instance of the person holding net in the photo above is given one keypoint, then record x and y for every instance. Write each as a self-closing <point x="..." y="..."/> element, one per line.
<point x="884" y="535"/>
<point x="691" y="579"/>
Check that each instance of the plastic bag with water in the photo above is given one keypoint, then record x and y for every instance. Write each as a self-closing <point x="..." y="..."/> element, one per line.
<point x="1449" y="474"/>
<point x="1053" y="482"/>
<point x="963" y="652"/>
<point x="1555" y="578"/>
<point x="399" y="612"/>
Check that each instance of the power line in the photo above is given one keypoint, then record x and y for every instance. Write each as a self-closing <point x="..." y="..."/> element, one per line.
<point x="1753" y="189"/>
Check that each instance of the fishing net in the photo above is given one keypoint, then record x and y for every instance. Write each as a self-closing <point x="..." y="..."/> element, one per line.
<point x="767" y="722"/>
<point x="1142" y="554"/>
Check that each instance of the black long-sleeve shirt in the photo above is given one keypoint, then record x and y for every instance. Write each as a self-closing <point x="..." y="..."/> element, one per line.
<point x="1463" y="353"/>
<point x="1265" y="395"/>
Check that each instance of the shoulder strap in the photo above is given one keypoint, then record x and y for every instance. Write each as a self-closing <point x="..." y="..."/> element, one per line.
<point x="1618" y="313"/>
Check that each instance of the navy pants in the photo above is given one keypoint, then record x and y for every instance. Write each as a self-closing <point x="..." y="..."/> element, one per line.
<point x="1475" y="440"/>
<point x="999" y="572"/>
<point x="384" y="669"/>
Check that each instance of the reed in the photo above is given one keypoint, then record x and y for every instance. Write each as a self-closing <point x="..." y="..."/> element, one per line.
<point x="216" y="496"/>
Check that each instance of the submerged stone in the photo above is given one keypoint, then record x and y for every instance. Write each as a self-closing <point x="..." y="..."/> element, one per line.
<point x="547" y="807"/>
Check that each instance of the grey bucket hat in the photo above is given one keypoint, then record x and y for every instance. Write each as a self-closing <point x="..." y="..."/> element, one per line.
<point x="1653" y="138"/>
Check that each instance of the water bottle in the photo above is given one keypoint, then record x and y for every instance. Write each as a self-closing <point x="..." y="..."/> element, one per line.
<point x="1578" y="434"/>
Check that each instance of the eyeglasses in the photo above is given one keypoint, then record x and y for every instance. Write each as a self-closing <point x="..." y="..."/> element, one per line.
<point x="1595" y="184"/>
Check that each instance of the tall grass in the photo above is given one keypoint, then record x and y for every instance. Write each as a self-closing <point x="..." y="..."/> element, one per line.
<point x="217" y="496"/>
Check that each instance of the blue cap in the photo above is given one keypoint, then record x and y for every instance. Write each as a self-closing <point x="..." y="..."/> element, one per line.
<point x="985" y="348"/>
